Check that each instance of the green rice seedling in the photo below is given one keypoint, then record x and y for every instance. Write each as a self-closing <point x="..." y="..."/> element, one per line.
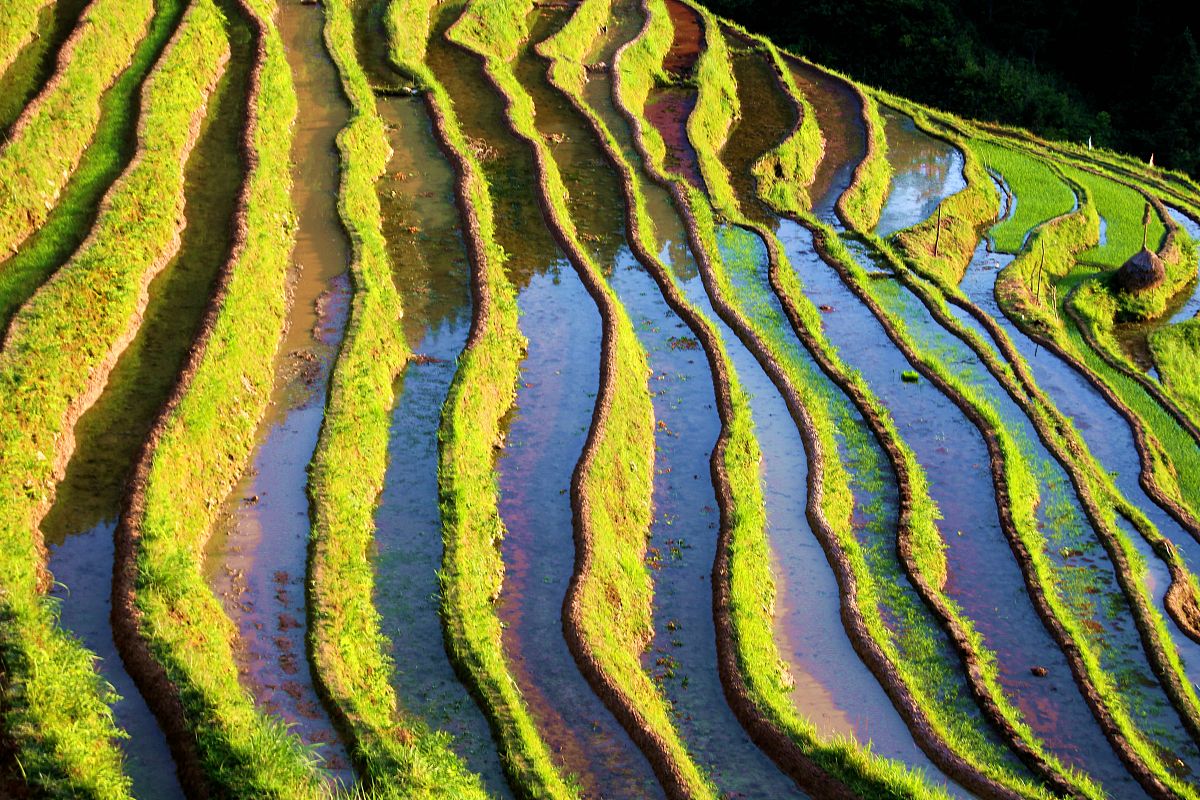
<point x="1039" y="193"/>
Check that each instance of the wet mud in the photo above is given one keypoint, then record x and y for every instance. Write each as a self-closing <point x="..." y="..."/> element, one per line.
<point x="668" y="107"/>
<point x="256" y="559"/>
<point x="839" y="115"/>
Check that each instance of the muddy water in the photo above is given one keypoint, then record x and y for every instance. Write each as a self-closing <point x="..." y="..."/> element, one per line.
<point x="925" y="171"/>
<point x="1108" y="436"/>
<point x="256" y="558"/>
<point x="422" y="228"/>
<point x="102" y="162"/>
<point x="547" y="429"/>
<point x="36" y="61"/>
<point x="839" y="115"/>
<point x="668" y="107"/>
<point x="984" y="579"/>
<point x="79" y="527"/>
<point x="683" y="657"/>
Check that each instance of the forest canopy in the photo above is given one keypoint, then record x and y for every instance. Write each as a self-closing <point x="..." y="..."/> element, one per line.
<point x="1125" y="74"/>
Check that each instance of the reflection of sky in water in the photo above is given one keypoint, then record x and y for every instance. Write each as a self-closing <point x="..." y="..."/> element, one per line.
<point x="925" y="171"/>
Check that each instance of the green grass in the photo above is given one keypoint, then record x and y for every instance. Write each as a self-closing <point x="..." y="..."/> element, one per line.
<point x="1176" y="351"/>
<point x="399" y="757"/>
<point x="17" y="25"/>
<point x="37" y="161"/>
<point x="206" y="441"/>
<point x="56" y="705"/>
<point x="611" y="603"/>
<point x="111" y="148"/>
<point x="1041" y="195"/>
<point x="862" y="203"/>
<point x="1121" y="207"/>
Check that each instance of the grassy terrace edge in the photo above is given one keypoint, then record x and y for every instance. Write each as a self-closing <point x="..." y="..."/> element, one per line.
<point x="173" y="633"/>
<point x="920" y="548"/>
<point x="48" y="139"/>
<point x="54" y="363"/>
<point x="743" y="581"/>
<point x="397" y="756"/>
<point x="613" y="481"/>
<point x="1015" y="481"/>
<point x="481" y="394"/>
<point x="736" y="455"/>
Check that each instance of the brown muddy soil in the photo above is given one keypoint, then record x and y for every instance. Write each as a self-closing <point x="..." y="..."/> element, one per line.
<point x="839" y="114"/>
<point x="688" y="42"/>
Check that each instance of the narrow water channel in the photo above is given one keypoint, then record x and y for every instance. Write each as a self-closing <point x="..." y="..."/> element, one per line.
<point x="683" y="656"/>
<point x="80" y="525"/>
<point x="257" y="557"/>
<point x="556" y="394"/>
<point x="421" y="225"/>
<point x="36" y="61"/>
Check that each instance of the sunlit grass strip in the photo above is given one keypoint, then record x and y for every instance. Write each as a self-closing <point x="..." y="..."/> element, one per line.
<point x="398" y="757"/>
<point x="863" y="201"/>
<point x="67" y="224"/>
<point x="18" y="25"/>
<point x="759" y="675"/>
<point x="785" y="174"/>
<point x="483" y="391"/>
<point x="172" y="631"/>
<point x="736" y="457"/>
<point x="1021" y="497"/>
<point x="48" y="139"/>
<point x="1041" y="195"/>
<point x="922" y="551"/>
<point x="609" y="605"/>
<point x="956" y="737"/>
<point x="58" y="354"/>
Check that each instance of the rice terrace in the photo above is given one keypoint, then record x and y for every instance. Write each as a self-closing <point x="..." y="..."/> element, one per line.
<point x="576" y="399"/>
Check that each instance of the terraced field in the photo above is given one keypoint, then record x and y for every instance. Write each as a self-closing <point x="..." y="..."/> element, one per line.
<point x="522" y="399"/>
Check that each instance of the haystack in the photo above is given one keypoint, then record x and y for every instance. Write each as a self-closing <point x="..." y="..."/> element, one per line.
<point x="1143" y="271"/>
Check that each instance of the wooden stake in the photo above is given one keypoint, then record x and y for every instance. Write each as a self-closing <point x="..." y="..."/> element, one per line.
<point x="938" y="238"/>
